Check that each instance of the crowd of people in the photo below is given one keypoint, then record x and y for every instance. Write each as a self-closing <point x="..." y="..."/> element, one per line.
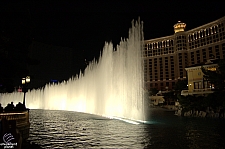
<point x="10" y="107"/>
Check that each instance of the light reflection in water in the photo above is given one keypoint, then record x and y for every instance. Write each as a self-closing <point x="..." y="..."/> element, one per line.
<point x="68" y="129"/>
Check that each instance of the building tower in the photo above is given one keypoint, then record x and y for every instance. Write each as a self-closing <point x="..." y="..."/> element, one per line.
<point x="166" y="58"/>
<point x="179" y="27"/>
<point x="180" y="50"/>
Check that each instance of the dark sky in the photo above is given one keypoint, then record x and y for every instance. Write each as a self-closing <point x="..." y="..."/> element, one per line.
<point x="87" y="25"/>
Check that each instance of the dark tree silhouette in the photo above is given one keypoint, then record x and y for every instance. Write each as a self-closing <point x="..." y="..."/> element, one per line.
<point x="216" y="77"/>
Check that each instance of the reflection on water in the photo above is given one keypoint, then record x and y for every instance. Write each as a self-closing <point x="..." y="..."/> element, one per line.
<point x="67" y="129"/>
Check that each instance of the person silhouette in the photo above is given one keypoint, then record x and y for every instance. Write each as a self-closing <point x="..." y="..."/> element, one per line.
<point x="1" y="108"/>
<point x="9" y="107"/>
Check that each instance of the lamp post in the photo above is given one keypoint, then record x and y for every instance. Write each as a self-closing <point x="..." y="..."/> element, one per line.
<point x="25" y="82"/>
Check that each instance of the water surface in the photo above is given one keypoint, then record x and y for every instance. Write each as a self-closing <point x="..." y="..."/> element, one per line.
<point x="69" y="129"/>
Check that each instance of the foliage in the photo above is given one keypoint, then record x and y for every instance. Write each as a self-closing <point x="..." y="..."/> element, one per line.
<point x="192" y="102"/>
<point x="216" y="77"/>
<point x="153" y="91"/>
<point x="181" y="85"/>
<point x="169" y="97"/>
<point x="214" y="100"/>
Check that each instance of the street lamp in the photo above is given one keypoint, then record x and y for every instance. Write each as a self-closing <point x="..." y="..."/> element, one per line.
<point x="25" y="81"/>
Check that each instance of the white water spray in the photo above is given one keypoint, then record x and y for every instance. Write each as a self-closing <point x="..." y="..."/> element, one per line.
<point x="113" y="86"/>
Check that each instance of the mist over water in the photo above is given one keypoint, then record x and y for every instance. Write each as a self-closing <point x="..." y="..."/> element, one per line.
<point x="110" y="86"/>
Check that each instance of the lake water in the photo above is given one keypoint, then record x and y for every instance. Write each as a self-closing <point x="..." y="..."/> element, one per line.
<point x="68" y="129"/>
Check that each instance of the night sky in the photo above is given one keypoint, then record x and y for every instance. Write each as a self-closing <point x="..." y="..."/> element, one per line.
<point x="85" y="26"/>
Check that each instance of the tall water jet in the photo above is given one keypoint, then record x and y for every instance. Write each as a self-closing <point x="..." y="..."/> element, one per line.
<point x="111" y="86"/>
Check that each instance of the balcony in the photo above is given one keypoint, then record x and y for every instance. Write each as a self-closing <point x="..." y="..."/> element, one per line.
<point x="197" y="91"/>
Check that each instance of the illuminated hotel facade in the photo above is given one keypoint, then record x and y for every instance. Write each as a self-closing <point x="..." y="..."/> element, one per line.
<point x="166" y="58"/>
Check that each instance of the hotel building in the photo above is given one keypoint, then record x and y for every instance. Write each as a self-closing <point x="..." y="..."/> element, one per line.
<point x="166" y="58"/>
<point x="197" y="84"/>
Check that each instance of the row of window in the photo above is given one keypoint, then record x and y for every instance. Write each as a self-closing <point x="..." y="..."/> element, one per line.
<point x="203" y="54"/>
<point x="181" y="43"/>
<point x="163" y="68"/>
<point x="181" y="37"/>
<point x="200" y="85"/>
<point x="183" y="46"/>
<point x="160" y="44"/>
<point x="199" y="38"/>
<point x="156" y="52"/>
<point x="206" y="32"/>
<point x="195" y="57"/>
<point x="207" y="40"/>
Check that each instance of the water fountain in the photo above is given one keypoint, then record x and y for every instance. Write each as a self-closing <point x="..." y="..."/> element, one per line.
<point x="111" y="86"/>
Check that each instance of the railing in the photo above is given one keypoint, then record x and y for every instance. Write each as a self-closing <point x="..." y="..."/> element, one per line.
<point x="202" y="90"/>
<point x="197" y="91"/>
<point x="22" y="121"/>
<point x="15" y="115"/>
